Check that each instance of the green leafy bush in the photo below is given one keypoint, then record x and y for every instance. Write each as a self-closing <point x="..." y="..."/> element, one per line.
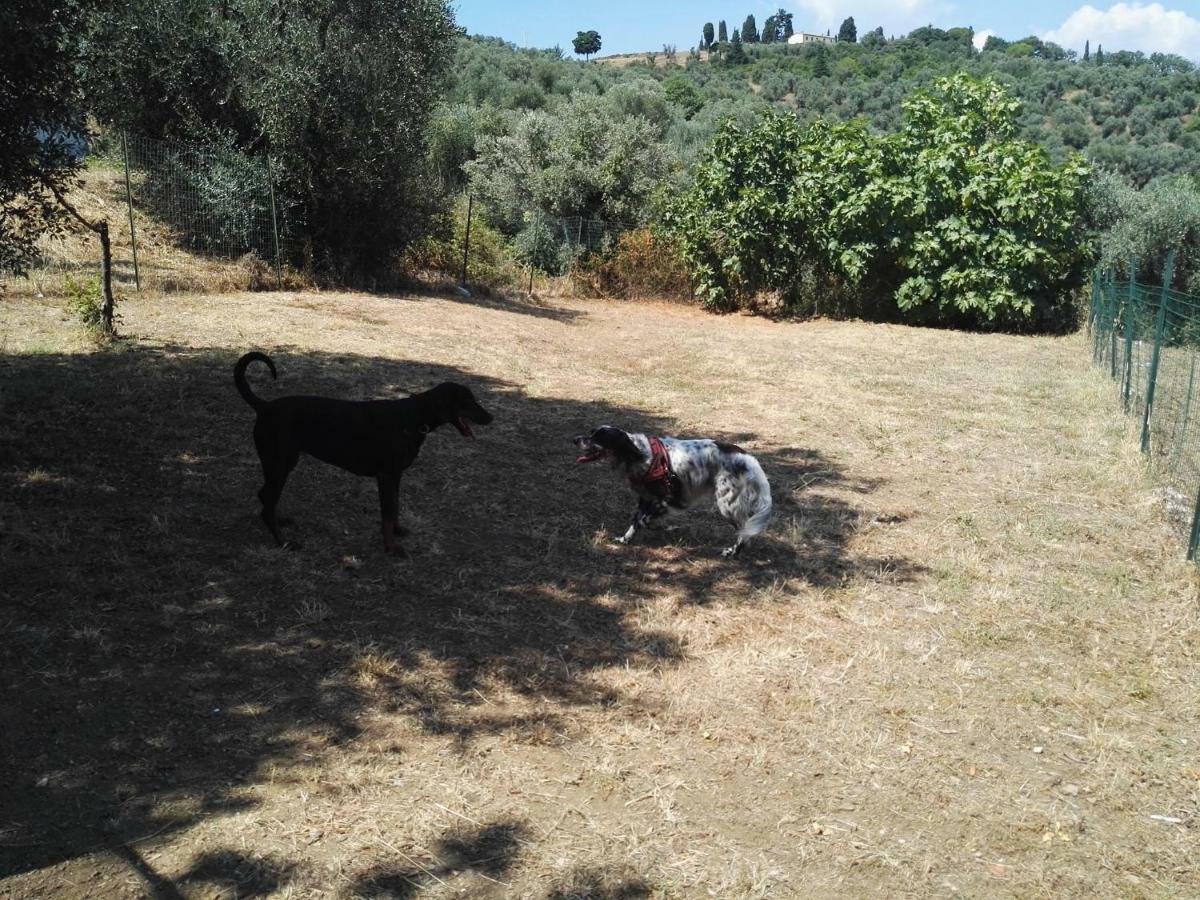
<point x="83" y="300"/>
<point x="1142" y="227"/>
<point x="953" y="220"/>
<point x="490" y="262"/>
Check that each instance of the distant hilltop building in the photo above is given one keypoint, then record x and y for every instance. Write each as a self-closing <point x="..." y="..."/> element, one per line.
<point x="803" y="37"/>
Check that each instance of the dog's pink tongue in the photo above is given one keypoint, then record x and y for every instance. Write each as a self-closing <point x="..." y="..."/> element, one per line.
<point x="465" y="429"/>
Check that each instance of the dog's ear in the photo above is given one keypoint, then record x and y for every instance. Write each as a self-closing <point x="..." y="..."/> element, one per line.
<point x="616" y="441"/>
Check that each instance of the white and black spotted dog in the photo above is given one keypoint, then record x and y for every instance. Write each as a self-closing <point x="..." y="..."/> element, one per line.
<point x="668" y="473"/>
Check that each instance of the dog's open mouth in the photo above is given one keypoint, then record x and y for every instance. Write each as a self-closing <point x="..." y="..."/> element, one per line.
<point x="592" y="455"/>
<point x="463" y="428"/>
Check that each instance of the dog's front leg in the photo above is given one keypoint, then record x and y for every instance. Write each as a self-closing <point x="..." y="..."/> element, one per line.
<point x="646" y="510"/>
<point x="389" y="511"/>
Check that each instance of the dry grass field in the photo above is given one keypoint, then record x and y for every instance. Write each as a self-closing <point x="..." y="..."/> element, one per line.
<point x="963" y="662"/>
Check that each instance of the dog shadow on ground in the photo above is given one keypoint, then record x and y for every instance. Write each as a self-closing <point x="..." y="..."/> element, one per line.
<point x="160" y="651"/>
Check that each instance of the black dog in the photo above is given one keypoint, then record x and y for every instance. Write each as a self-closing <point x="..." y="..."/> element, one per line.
<point x="376" y="438"/>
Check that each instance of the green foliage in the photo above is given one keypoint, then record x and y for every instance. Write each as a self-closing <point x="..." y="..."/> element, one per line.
<point x="1141" y="227"/>
<point x="586" y="43"/>
<point x="489" y="259"/>
<point x="848" y="33"/>
<point x="953" y="219"/>
<point x="749" y="31"/>
<point x="874" y="39"/>
<point x="722" y="32"/>
<point x="589" y="158"/>
<point x="683" y="94"/>
<point x="820" y="56"/>
<point x="83" y="301"/>
<point x="708" y="35"/>
<point x="1134" y="117"/>
<point x="338" y="91"/>
<point x="41" y="126"/>
<point x="768" y="31"/>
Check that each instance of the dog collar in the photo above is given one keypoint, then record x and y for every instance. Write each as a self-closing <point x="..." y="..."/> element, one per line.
<point x="660" y="479"/>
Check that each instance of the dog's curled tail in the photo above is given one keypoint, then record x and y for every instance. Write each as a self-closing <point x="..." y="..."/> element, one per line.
<point x="239" y="376"/>
<point x="761" y="509"/>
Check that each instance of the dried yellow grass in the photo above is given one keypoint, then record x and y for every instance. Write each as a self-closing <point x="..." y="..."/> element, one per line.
<point x="964" y="662"/>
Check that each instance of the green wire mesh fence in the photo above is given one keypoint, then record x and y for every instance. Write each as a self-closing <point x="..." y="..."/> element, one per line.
<point x="1147" y="339"/>
<point x="181" y="217"/>
<point x="217" y="202"/>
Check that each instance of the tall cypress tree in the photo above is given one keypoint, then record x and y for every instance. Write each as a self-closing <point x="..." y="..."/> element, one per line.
<point x="1087" y="50"/>
<point x="737" y="53"/>
<point x="722" y="32"/>
<point x="750" y="30"/>
<point x="708" y="35"/>
<point x="768" y="32"/>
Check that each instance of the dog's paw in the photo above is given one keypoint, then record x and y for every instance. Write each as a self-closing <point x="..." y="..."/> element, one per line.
<point x="400" y="530"/>
<point x="621" y="539"/>
<point x="730" y="552"/>
<point x="291" y="546"/>
<point x="398" y="552"/>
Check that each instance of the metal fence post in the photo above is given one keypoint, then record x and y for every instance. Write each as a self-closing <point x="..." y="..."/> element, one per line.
<point x="137" y="278"/>
<point x="1094" y="311"/>
<point x="467" y="240"/>
<point x="274" y="222"/>
<point x="1128" y="377"/>
<point x="1187" y="412"/>
<point x="1168" y="275"/>
<point x="1194" y="540"/>
<point x="1112" y="329"/>
<point x="537" y="237"/>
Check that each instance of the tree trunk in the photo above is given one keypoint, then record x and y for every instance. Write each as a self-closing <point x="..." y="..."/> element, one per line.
<point x="100" y="226"/>
<point x="106" y="305"/>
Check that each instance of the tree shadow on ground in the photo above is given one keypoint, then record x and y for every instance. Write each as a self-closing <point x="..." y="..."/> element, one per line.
<point x="160" y="651"/>
<point x="487" y="851"/>
<point x="509" y="301"/>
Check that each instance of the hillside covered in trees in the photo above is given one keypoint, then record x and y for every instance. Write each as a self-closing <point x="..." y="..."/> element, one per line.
<point x="1134" y="114"/>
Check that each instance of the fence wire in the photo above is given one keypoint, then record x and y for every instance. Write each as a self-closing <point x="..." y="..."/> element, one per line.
<point x="1147" y="339"/>
<point x="181" y="217"/>
<point x="219" y="202"/>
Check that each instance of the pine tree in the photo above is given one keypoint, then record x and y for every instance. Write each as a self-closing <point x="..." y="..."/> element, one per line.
<point x="737" y="53"/>
<point x="821" y="62"/>
<point x="1087" y="50"/>
<point x="586" y="43"/>
<point x="722" y="33"/>
<point x="848" y="33"/>
<point x="1099" y="54"/>
<point x="708" y="36"/>
<point x="783" y="25"/>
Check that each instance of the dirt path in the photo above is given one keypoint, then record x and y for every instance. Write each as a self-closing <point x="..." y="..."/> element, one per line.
<point x="964" y="662"/>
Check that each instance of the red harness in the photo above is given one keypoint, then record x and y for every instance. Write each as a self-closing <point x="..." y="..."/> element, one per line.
<point x="660" y="479"/>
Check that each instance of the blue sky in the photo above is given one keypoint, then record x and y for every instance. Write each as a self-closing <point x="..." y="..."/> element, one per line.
<point x="1171" y="26"/>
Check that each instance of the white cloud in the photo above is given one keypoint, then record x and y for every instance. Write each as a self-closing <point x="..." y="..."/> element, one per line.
<point x="898" y="17"/>
<point x="1150" y="28"/>
<point x="981" y="38"/>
